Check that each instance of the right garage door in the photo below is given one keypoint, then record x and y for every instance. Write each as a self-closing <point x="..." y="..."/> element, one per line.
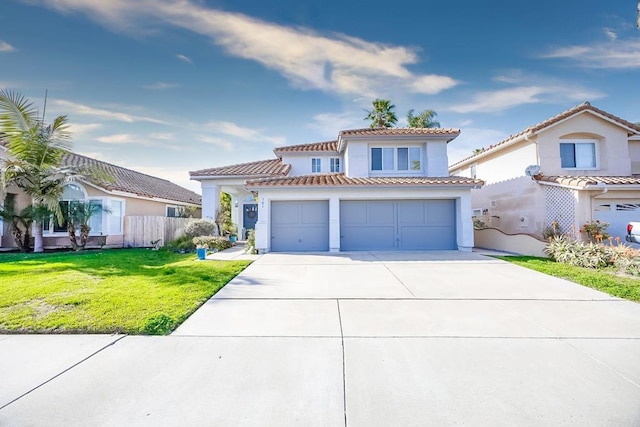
<point x="397" y="225"/>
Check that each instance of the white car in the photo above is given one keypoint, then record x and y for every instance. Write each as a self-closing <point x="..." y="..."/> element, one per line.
<point x="633" y="232"/>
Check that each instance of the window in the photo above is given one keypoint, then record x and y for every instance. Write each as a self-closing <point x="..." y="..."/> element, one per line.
<point x="578" y="155"/>
<point x="396" y="159"/>
<point x="115" y="217"/>
<point x="172" y="211"/>
<point x="316" y="165"/>
<point x="473" y="171"/>
<point x="335" y="164"/>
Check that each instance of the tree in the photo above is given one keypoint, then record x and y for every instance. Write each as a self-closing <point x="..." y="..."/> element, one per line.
<point x="19" y="223"/>
<point x="425" y="119"/>
<point x="78" y="217"/>
<point x="382" y="115"/>
<point x="35" y="156"/>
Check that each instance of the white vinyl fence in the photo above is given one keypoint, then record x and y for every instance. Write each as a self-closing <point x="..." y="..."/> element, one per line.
<point x="140" y="231"/>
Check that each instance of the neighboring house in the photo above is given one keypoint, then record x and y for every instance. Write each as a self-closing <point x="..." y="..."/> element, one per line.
<point x="586" y="167"/>
<point x="371" y="189"/>
<point x="129" y="194"/>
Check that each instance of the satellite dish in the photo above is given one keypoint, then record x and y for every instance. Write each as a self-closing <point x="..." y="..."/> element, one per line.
<point x="532" y="170"/>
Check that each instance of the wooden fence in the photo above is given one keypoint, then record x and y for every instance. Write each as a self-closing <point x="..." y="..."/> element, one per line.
<point x="140" y="231"/>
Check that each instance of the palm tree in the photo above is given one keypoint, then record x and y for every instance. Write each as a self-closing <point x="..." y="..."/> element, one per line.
<point x="78" y="216"/>
<point x="35" y="156"/>
<point x="426" y="119"/>
<point x="19" y="223"/>
<point x="382" y="115"/>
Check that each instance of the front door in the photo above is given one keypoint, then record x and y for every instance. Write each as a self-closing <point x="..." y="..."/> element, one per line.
<point x="250" y="217"/>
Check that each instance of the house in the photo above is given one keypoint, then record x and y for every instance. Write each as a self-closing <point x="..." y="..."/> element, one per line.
<point x="584" y="165"/>
<point x="128" y="194"/>
<point x="370" y="189"/>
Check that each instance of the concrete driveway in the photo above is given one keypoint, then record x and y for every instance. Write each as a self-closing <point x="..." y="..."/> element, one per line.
<point x="358" y="339"/>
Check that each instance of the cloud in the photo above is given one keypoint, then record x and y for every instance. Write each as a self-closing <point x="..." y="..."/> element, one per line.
<point x="329" y="124"/>
<point x="6" y="47"/>
<point x="218" y="142"/>
<point x="119" y="138"/>
<point x="613" y="53"/>
<point x="82" y="130"/>
<point x="526" y="89"/>
<point x="243" y="133"/>
<point x="84" y="110"/>
<point x="611" y="34"/>
<point x="162" y="136"/>
<point x="161" y="86"/>
<point x="184" y="58"/>
<point x="334" y="63"/>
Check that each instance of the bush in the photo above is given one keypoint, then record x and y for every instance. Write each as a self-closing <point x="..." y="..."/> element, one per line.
<point x="594" y="255"/>
<point x="199" y="227"/>
<point x="250" y="246"/>
<point x="181" y="244"/>
<point x="212" y="242"/>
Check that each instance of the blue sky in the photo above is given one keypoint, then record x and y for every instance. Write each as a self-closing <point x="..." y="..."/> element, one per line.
<point x="168" y="86"/>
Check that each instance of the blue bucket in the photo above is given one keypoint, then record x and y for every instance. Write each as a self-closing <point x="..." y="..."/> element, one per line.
<point x="202" y="253"/>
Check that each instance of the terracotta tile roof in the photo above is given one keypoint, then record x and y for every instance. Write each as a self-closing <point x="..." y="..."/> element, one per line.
<point x="553" y="120"/>
<point x="339" y="179"/>
<point x="133" y="182"/>
<point x="584" y="181"/>
<point x="400" y="131"/>
<point x="314" y="146"/>
<point x="272" y="167"/>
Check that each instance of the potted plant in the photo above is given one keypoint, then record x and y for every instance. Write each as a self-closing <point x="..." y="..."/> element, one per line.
<point x="233" y="234"/>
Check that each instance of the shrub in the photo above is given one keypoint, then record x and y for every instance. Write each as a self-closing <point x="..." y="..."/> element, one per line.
<point x="594" y="255"/>
<point x="212" y="242"/>
<point x="596" y="230"/>
<point x="181" y="244"/>
<point x="250" y="246"/>
<point x="199" y="227"/>
<point x="552" y="230"/>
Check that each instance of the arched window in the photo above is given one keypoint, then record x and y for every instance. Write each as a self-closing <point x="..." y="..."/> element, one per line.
<point x="71" y="193"/>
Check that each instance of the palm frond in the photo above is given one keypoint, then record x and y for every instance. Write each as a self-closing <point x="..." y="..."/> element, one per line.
<point x="17" y="113"/>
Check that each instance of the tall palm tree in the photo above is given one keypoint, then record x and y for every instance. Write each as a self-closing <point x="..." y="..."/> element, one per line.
<point x="382" y="115"/>
<point x="426" y="119"/>
<point x="35" y="153"/>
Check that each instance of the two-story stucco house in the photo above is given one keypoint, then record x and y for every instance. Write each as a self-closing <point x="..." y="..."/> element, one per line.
<point x="588" y="168"/>
<point x="371" y="189"/>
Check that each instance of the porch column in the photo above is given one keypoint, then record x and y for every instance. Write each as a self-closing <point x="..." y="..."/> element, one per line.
<point x="464" y="222"/>
<point x="210" y="199"/>
<point x="334" y="224"/>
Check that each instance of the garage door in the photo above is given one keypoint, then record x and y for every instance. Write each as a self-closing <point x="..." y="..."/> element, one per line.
<point x="618" y="213"/>
<point x="397" y="225"/>
<point x="300" y="226"/>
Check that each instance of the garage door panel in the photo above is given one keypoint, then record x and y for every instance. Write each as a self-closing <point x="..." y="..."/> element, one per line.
<point x="412" y="212"/>
<point x="358" y="238"/>
<point x="618" y="213"/>
<point x="381" y="213"/>
<point x="299" y="226"/>
<point x="398" y="225"/>
<point x="427" y="238"/>
<point x="441" y="212"/>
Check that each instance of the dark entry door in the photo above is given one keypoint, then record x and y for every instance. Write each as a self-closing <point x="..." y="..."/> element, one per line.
<point x="250" y="217"/>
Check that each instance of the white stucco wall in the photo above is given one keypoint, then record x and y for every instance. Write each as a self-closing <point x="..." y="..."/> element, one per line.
<point x="434" y="159"/>
<point x="464" y="224"/>
<point x="301" y="163"/>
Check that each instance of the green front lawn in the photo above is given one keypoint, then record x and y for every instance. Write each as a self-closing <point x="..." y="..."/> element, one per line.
<point x="604" y="280"/>
<point x="133" y="291"/>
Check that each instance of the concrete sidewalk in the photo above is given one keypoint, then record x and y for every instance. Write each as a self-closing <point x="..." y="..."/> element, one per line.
<point x="358" y="339"/>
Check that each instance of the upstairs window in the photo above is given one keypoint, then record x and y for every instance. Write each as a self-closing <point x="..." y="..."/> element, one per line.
<point x="396" y="159"/>
<point x="578" y="155"/>
<point x="335" y="164"/>
<point x="316" y="165"/>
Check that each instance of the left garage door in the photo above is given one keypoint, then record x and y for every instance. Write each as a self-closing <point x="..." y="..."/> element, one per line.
<point x="298" y="226"/>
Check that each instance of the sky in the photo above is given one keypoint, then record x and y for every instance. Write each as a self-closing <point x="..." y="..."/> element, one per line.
<point x="169" y="86"/>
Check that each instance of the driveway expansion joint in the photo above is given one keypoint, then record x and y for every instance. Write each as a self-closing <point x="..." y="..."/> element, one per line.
<point x="62" y="372"/>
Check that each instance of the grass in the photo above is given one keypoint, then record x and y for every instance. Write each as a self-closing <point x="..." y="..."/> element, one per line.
<point x="132" y="291"/>
<point x="605" y="280"/>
